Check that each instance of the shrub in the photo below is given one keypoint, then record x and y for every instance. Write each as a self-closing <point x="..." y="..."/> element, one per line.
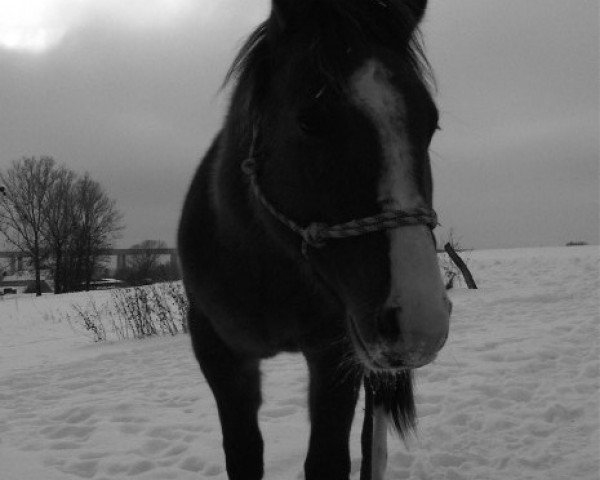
<point x="91" y="320"/>
<point x="136" y="312"/>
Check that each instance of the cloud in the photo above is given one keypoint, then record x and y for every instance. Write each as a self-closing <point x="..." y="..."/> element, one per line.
<point x="39" y="25"/>
<point x="128" y="90"/>
<point x="32" y="25"/>
<point x="143" y="14"/>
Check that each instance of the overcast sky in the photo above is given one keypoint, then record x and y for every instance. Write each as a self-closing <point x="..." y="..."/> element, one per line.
<point x="128" y="90"/>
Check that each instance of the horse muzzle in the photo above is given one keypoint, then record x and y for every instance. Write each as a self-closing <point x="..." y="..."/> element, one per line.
<point x="393" y="340"/>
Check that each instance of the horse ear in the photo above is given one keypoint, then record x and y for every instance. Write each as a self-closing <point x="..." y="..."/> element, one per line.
<point x="417" y="8"/>
<point x="282" y="13"/>
<point x="286" y="13"/>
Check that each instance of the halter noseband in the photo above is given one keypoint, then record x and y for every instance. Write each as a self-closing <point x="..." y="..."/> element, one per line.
<point x="316" y="234"/>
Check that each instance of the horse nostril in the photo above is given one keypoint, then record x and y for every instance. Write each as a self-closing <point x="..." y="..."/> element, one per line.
<point x="388" y="324"/>
<point x="449" y="304"/>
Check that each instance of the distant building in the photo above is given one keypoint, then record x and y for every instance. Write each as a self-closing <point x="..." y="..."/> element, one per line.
<point x="21" y="286"/>
<point x="24" y="282"/>
<point x="107" y="283"/>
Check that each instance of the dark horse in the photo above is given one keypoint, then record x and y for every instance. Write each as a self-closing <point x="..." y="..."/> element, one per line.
<point x="307" y="227"/>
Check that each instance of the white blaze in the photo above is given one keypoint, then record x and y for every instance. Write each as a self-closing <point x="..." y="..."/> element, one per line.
<point x="385" y="107"/>
<point x="416" y="283"/>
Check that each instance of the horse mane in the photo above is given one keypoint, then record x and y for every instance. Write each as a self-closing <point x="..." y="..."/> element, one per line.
<point x="332" y="30"/>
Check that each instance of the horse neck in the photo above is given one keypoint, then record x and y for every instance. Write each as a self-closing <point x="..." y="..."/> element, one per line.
<point x="231" y="198"/>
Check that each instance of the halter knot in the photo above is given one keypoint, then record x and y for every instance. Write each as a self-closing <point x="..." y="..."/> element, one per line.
<point x="314" y="234"/>
<point x="249" y="166"/>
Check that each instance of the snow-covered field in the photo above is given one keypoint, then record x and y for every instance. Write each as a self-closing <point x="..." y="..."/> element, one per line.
<point x="513" y="395"/>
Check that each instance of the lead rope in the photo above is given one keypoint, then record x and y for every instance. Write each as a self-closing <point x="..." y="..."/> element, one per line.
<point x="316" y="234"/>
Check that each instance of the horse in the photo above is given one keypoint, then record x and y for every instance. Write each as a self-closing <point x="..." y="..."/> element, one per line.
<point x="308" y="227"/>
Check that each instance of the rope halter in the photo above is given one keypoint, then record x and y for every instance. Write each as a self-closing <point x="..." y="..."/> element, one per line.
<point x="316" y="234"/>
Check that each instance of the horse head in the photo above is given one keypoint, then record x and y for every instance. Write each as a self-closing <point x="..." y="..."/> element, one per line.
<point x="342" y="118"/>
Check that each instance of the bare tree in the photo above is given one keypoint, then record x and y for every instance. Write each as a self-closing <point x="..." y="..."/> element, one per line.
<point x="47" y="212"/>
<point x="26" y="187"/>
<point x="144" y="266"/>
<point x="96" y="224"/>
<point x="59" y="215"/>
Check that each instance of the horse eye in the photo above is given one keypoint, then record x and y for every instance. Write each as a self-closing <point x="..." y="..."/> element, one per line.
<point x="307" y="127"/>
<point x="310" y="124"/>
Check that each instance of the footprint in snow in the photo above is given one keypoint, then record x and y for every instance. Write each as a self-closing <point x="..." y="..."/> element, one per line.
<point x="84" y="469"/>
<point x="213" y="470"/>
<point x="75" y="415"/>
<point x="192" y="464"/>
<point x="274" y="413"/>
<point x="140" y="467"/>
<point x="59" y="432"/>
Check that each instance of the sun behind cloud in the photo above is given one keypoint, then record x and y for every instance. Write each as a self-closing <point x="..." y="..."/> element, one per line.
<point x="36" y="26"/>
<point x="29" y="25"/>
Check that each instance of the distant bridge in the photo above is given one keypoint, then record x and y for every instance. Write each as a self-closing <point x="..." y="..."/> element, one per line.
<point x="16" y="258"/>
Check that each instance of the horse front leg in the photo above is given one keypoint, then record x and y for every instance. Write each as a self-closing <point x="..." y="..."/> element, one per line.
<point x="332" y="400"/>
<point x="235" y="383"/>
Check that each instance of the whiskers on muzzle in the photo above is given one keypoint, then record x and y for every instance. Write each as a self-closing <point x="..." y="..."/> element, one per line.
<point x="395" y="339"/>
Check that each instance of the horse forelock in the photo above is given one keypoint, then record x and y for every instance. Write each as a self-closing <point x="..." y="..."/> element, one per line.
<point x="327" y="39"/>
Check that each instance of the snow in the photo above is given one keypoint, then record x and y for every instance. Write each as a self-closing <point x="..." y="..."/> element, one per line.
<point x="513" y="395"/>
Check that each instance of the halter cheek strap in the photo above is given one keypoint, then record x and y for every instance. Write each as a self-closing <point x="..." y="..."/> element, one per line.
<point x="316" y="234"/>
